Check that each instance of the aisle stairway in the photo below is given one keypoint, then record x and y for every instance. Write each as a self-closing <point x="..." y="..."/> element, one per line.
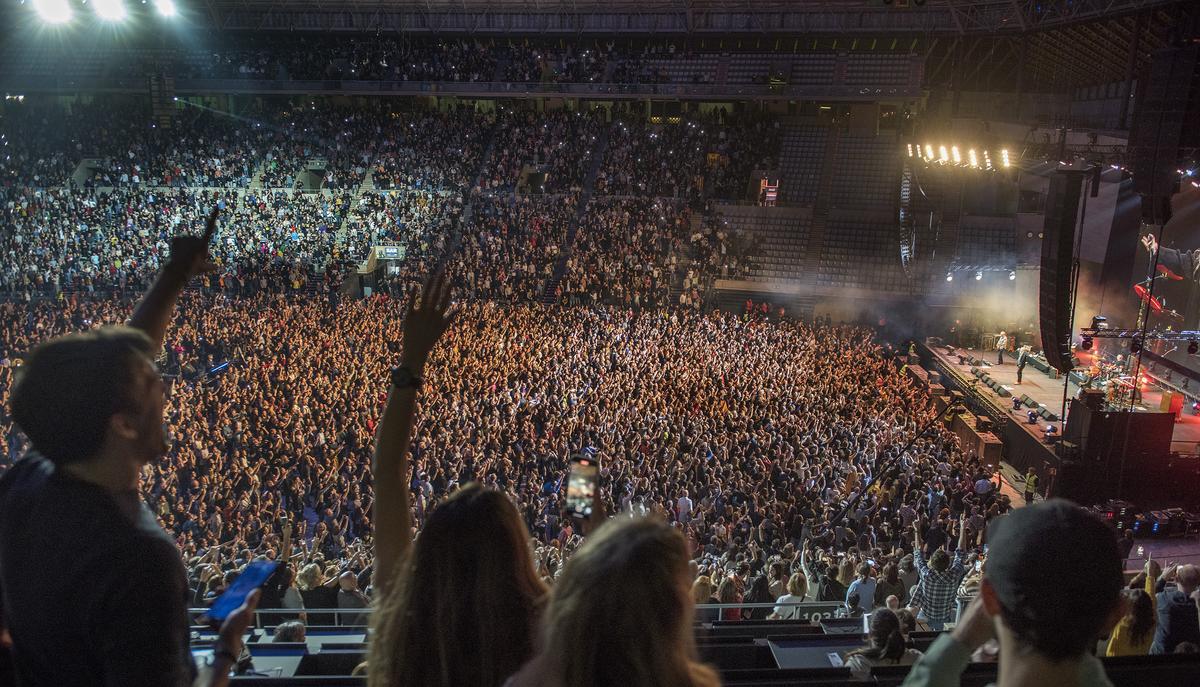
<point x="820" y="218"/>
<point x="589" y="184"/>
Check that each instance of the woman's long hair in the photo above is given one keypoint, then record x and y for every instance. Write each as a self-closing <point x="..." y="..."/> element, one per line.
<point x="1141" y="615"/>
<point x="464" y="606"/>
<point x="885" y="641"/>
<point x="621" y="614"/>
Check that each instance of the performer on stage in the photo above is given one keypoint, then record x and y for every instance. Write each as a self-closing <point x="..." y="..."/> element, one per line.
<point x="1001" y="344"/>
<point x="1185" y="213"/>
<point x="1022" y="358"/>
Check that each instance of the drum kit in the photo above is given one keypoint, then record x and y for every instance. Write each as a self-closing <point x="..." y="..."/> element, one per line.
<point x="1154" y="304"/>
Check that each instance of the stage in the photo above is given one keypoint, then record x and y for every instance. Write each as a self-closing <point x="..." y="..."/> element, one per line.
<point x="1048" y="393"/>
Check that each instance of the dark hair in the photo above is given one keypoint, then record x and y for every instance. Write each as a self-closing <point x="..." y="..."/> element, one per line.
<point x="70" y="387"/>
<point x="465" y="605"/>
<point x="760" y="591"/>
<point x="891" y="574"/>
<point x="1141" y="609"/>
<point x="885" y="640"/>
<point x="908" y="621"/>
<point x="940" y="560"/>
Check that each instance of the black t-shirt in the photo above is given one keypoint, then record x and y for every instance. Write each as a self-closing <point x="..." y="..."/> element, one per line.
<point x="91" y="588"/>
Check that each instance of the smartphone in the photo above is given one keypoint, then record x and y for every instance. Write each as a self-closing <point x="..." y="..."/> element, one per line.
<point x="251" y="578"/>
<point x="581" y="485"/>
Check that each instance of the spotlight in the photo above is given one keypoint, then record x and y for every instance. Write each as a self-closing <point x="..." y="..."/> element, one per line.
<point x="972" y="158"/>
<point x="954" y="154"/>
<point x="1135" y="346"/>
<point x="1193" y="347"/>
<point x="110" y="10"/>
<point x="165" y="7"/>
<point x="53" y="11"/>
<point x="978" y="275"/>
<point x="949" y="277"/>
<point x="1099" y="322"/>
<point x="943" y="155"/>
<point x="928" y="152"/>
<point x="1012" y="276"/>
<point x="1004" y="157"/>
<point x="910" y="152"/>
<point x="1086" y="344"/>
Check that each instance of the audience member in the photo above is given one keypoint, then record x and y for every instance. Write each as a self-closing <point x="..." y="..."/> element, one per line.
<point x="621" y="614"/>
<point x="1046" y="630"/>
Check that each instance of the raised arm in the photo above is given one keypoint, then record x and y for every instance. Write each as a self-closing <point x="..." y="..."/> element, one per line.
<point x="189" y="257"/>
<point x="962" y="532"/>
<point x="424" y="324"/>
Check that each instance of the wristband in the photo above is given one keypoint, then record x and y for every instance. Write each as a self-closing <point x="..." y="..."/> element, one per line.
<point x="226" y="654"/>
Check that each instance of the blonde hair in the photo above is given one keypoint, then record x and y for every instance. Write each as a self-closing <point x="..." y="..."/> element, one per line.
<point x="309" y="577"/>
<point x="621" y="612"/>
<point x="464" y="605"/>
<point x="702" y="589"/>
<point x="797" y="585"/>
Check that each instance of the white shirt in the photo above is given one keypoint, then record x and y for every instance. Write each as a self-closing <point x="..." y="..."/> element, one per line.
<point x="685" y="506"/>
<point x="788" y="612"/>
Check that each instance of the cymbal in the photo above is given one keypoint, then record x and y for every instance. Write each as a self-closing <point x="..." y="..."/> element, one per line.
<point x="1143" y="294"/>
<point x="1166" y="272"/>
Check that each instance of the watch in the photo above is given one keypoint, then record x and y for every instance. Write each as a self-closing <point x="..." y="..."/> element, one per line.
<point x="403" y="378"/>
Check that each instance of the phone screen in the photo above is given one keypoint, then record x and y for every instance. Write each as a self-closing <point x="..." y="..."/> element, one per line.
<point x="251" y="578"/>
<point x="581" y="486"/>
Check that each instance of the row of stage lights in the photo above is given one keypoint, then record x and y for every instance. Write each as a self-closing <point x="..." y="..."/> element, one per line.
<point x="113" y="11"/>
<point x="952" y="156"/>
<point x="1012" y="275"/>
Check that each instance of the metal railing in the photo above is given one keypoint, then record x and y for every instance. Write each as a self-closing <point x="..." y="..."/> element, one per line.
<point x="813" y="611"/>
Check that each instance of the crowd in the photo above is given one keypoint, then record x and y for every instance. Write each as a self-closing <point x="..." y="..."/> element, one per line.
<point x="736" y="450"/>
<point x="705" y="157"/>
<point x="511" y="248"/>
<point x="558" y="144"/>
<point x="377" y="58"/>
<point x="113" y="241"/>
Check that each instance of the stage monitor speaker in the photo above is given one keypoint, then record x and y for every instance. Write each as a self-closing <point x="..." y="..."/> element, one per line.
<point x="1004" y="393"/>
<point x="1058" y="248"/>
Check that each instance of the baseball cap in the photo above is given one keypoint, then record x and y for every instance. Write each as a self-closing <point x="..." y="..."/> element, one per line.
<point x="1056" y="571"/>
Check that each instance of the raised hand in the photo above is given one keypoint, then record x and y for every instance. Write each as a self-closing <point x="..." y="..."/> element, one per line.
<point x="1151" y="243"/>
<point x="190" y="253"/>
<point x="429" y="315"/>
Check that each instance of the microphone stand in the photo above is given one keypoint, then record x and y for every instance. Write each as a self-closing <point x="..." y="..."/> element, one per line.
<point x="883" y="472"/>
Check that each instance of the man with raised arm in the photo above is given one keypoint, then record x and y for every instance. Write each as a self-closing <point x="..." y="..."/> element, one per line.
<point x="92" y="590"/>
<point x="939" y="578"/>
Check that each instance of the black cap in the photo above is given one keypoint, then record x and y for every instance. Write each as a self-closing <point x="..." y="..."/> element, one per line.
<point x="1056" y="570"/>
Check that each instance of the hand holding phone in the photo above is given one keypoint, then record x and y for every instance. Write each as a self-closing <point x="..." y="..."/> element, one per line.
<point x="252" y="577"/>
<point x="582" y="479"/>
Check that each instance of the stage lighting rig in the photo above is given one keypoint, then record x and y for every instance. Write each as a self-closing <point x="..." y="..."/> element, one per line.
<point x="954" y="155"/>
<point x="165" y="8"/>
<point x="53" y="11"/>
<point x="110" y="10"/>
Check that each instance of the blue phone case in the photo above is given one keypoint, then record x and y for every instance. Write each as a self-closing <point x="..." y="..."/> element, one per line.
<point x="251" y="578"/>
